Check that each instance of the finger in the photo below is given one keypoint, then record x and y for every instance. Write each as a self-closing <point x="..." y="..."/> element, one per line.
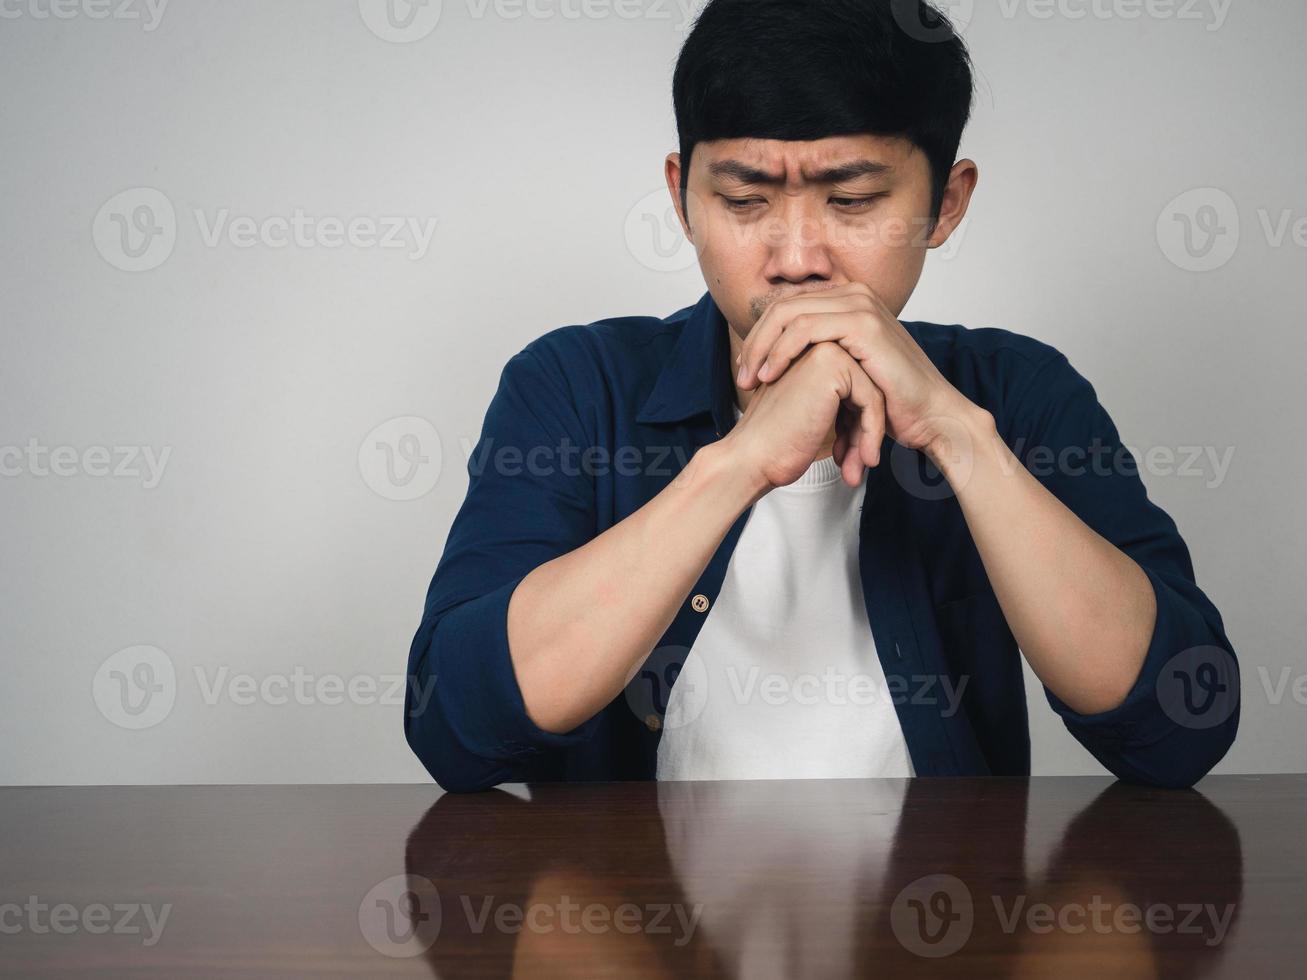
<point x="865" y="441"/>
<point x="774" y="321"/>
<point x="803" y="332"/>
<point x="843" y="424"/>
<point x="778" y="318"/>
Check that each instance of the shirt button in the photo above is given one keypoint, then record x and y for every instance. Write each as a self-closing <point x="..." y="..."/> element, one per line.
<point x="699" y="603"/>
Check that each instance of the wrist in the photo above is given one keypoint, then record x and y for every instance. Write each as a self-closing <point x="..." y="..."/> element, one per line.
<point x="961" y="434"/>
<point x="727" y="470"/>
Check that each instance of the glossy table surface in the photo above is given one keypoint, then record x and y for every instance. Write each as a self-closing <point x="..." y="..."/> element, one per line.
<point x="1057" y="877"/>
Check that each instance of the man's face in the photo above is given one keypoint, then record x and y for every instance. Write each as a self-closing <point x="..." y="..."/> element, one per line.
<point x="772" y="218"/>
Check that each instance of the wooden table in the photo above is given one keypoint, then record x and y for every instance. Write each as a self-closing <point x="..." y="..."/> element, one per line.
<point x="1052" y="877"/>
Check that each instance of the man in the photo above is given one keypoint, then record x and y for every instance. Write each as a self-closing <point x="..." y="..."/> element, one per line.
<point x="781" y="534"/>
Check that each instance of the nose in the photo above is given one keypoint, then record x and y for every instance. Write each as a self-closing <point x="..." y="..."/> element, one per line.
<point x="798" y="251"/>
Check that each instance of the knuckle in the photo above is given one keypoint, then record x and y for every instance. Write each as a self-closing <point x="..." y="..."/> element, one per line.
<point x="827" y="353"/>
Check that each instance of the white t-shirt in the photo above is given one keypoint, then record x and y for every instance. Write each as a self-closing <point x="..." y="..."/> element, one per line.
<point x="783" y="680"/>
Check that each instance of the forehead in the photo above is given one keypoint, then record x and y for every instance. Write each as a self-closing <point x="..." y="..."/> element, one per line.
<point x="801" y="160"/>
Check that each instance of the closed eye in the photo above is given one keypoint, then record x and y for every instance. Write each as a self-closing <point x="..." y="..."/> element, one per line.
<point x="843" y="203"/>
<point x="855" y="203"/>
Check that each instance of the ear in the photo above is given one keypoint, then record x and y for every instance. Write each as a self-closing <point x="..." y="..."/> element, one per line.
<point x="961" y="185"/>
<point x="672" y="173"/>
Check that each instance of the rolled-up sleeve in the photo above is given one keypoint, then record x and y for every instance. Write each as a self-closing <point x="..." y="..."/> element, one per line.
<point x="1181" y="715"/>
<point x="528" y="501"/>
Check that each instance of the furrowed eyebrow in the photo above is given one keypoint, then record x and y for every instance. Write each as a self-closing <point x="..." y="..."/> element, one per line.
<point x="736" y="170"/>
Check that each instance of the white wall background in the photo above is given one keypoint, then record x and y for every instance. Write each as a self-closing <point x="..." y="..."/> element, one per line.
<point x="265" y="549"/>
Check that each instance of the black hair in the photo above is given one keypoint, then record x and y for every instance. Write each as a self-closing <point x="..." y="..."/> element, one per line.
<point x="809" y="69"/>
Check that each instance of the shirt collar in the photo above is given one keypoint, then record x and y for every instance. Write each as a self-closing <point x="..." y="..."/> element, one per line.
<point x="696" y="378"/>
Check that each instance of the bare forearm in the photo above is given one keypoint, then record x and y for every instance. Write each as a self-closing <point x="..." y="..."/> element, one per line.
<point x="580" y="626"/>
<point x="1082" y="611"/>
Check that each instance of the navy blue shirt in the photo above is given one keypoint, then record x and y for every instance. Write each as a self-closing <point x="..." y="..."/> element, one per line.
<point x="590" y="422"/>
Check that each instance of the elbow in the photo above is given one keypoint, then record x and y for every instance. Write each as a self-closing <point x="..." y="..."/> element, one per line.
<point x="1177" y="777"/>
<point x="1178" y="761"/>
<point x="454" y="781"/>
<point x="452" y="769"/>
<point x="430" y="738"/>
